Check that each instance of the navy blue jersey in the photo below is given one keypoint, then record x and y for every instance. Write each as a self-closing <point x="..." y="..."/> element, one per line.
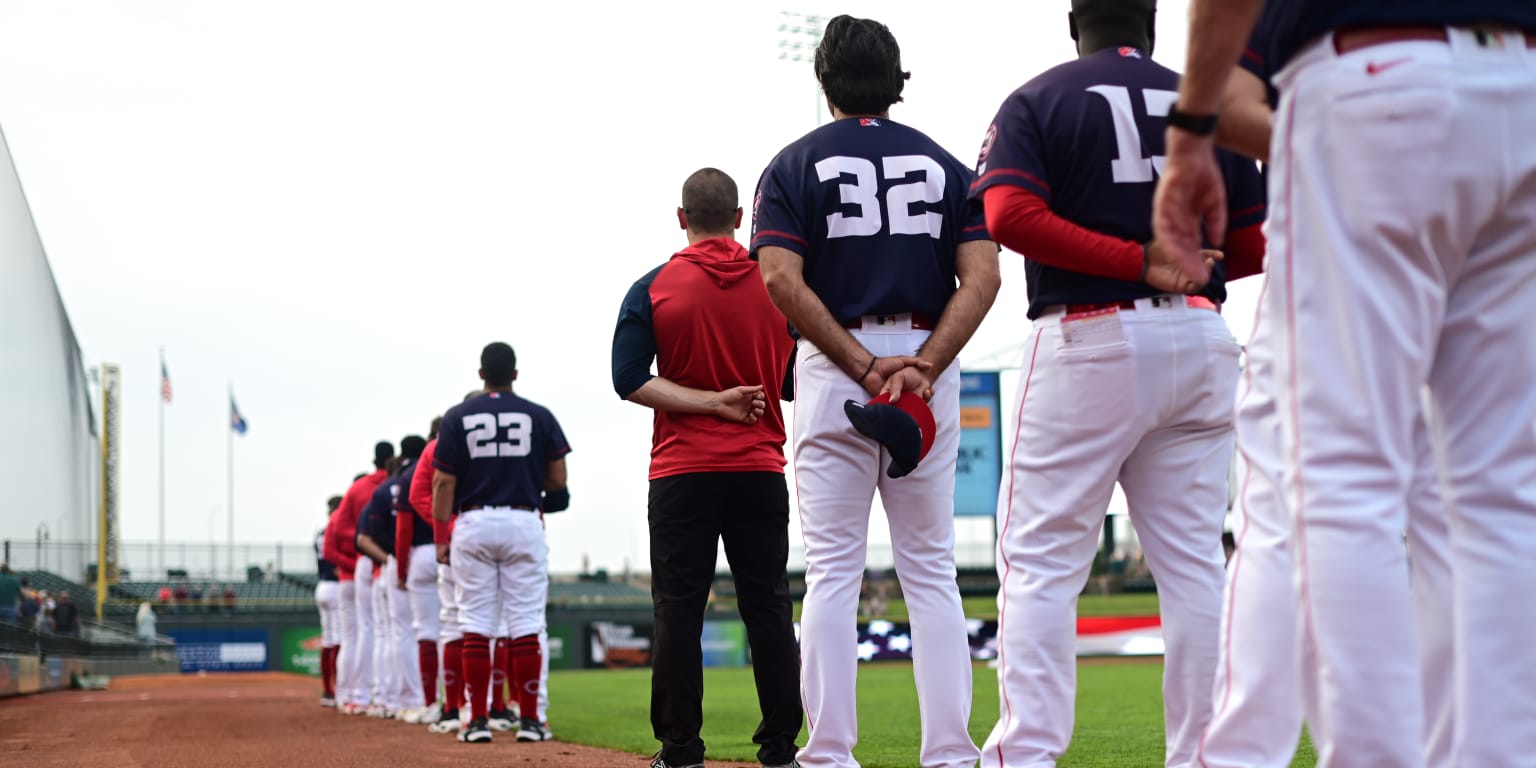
<point x="421" y="532"/>
<point x="1295" y="23"/>
<point x="378" y="517"/>
<point x="876" y="209"/>
<point x="498" y="446"/>
<point x="1087" y="137"/>
<point x="325" y="568"/>
<point x="1256" y="60"/>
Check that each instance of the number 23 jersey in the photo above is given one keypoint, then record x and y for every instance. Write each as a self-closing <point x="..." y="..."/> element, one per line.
<point x="498" y="446"/>
<point x="876" y="209"/>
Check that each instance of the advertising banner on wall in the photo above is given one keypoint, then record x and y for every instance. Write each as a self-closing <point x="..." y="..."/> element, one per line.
<point x="724" y="644"/>
<point x="616" y="645"/>
<point x="221" y="650"/>
<point x="300" y="650"/>
<point x="564" y="651"/>
<point x="979" y="467"/>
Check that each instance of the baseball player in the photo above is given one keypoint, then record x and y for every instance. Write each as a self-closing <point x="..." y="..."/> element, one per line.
<point x="375" y="539"/>
<point x="862" y="231"/>
<point x="717" y="467"/>
<point x="1257" y="707"/>
<point x="354" y="673"/>
<point x="377" y="535"/>
<point x="1401" y="162"/>
<point x="327" y="600"/>
<point x="499" y="460"/>
<point x="450" y="637"/>
<point x="416" y="573"/>
<point x="1066" y="175"/>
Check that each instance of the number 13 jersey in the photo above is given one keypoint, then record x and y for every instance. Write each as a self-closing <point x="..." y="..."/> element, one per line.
<point x="876" y="209"/>
<point x="498" y="446"/>
<point x="1087" y="137"/>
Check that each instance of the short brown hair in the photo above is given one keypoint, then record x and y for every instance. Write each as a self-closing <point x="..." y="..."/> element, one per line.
<point x="710" y="201"/>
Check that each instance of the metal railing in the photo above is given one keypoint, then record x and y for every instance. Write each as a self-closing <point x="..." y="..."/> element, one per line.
<point x="136" y="560"/>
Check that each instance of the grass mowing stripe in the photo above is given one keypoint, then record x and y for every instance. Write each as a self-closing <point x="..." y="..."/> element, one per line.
<point x="1119" y="714"/>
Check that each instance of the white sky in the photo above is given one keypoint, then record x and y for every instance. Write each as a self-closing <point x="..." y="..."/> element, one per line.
<point x="335" y="205"/>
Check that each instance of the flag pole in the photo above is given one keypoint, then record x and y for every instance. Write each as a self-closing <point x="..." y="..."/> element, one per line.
<point x="160" y="550"/>
<point x="229" y="440"/>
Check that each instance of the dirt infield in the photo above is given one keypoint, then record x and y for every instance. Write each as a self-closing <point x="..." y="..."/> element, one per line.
<point x="264" y="720"/>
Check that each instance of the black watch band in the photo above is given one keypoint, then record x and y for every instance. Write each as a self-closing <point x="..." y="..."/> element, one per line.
<point x="1199" y="125"/>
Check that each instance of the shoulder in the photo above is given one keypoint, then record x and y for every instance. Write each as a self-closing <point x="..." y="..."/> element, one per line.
<point x="645" y="281"/>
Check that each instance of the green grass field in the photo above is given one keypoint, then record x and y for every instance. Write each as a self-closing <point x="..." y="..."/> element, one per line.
<point x="1119" y="714"/>
<point x="1127" y="604"/>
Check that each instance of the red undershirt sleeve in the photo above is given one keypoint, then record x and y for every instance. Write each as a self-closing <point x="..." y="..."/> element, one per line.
<point x="1245" y="252"/>
<point x="1023" y="222"/>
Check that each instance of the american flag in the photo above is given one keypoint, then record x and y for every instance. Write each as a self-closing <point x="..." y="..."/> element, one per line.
<point x="236" y="421"/>
<point x="165" y="382"/>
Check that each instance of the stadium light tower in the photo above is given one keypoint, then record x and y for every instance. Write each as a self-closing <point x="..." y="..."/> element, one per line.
<point x="799" y="34"/>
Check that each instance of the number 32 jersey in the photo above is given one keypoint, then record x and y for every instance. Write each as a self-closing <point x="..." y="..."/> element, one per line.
<point x="876" y="209"/>
<point x="1087" y="137"/>
<point x="498" y="446"/>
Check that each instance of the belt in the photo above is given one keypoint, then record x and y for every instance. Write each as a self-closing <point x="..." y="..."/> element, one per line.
<point x="473" y="507"/>
<point x="920" y="321"/>
<point x="1346" y="40"/>
<point x="1196" y="302"/>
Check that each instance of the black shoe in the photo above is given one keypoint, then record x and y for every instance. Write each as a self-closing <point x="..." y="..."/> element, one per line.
<point x="501" y="719"/>
<point x="660" y="763"/>
<point x="531" y="729"/>
<point x="478" y="732"/>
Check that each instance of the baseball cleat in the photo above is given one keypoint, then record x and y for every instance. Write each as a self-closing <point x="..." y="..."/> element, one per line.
<point x="429" y="714"/>
<point x="478" y="732"/>
<point x="533" y="730"/>
<point x="658" y="762"/>
<point x="327" y="702"/>
<point x="448" y="723"/>
<point x="501" y="720"/>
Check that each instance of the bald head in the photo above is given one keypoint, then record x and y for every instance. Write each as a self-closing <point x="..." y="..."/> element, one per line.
<point x="710" y="204"/>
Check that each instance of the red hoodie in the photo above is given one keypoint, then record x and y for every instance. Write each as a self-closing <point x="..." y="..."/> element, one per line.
<point x="340" y="545"/>
<point x="707" y="321"/>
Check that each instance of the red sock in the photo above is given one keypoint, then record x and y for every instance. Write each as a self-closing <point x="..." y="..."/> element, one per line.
<point x="527" y="664"/>
<point x="453" y="674"/>
<point x="328" y="670"/>
<point x="501" y="663"/>
<point x="426" y="657"/>
<point x="477" y="672"/>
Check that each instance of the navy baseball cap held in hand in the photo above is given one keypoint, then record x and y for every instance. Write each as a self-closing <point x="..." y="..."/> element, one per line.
<point x="906" y="428"/>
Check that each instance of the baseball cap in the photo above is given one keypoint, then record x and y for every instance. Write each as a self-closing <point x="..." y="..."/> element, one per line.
<point x="383" y="451"/>
<point x="906" y="428"/>
<point x="411" y="446"/>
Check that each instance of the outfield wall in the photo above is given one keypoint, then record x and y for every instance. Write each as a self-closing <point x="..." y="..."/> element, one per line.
<point x="49" y="462"/>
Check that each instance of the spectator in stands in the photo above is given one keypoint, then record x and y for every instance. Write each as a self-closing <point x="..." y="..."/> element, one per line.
<point x="145" y="623"/>
<point x="10" y="595"/>
<point x="196" y="598"/>
<point x="181" y="598"/>
<point x="164" y="597"/>
<point x="45" y="606"/>
<point x="229" y="598"/>
<point x="29" y="605"/>
<point x="66" y="618"/>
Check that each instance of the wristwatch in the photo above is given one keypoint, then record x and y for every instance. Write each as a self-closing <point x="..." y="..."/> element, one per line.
<point x="1199" y="125"/>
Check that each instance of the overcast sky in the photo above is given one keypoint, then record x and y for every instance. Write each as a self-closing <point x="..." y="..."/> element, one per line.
<point x="333" y="206"/>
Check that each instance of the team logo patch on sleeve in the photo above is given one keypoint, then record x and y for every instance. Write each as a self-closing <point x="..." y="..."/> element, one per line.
<point x="1127" y="52"/>
<point x="869" y="121"/>
<point x="986" y="143"/>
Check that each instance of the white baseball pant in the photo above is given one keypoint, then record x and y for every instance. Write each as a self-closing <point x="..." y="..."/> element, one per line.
<point x="422" y="584"/>
<point x="384" y="673"/>
<point x="403" y="660"/>
<point x="327" y="601"/>
<point x="1417" y="183"/>
<point x="362" y="661"/>
<point x="346" y="658"/>
<point x="837" y="471"/>
<point x="1140" y="396"/>
<point x="500" y="563"/>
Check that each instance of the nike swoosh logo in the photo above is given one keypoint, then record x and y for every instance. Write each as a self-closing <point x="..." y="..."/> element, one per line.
<point x="1375" y="68"/>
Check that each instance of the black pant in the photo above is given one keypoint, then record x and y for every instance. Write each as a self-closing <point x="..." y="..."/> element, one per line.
<point x="689" y="514"/>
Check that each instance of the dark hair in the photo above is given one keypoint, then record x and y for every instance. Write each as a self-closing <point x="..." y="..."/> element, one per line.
<point x="411" y="446"/>
<point x="1097" y="24"/>
<point x="498" y="363"/>
<point x="383" y="451"/>
<point x="710" y="201"/>
<point x="859" y="66"/>
<point x="437" y="421"/>
<point x="332" y="503"/>
<point x="393" y="465"/>
<point x="359" y="476"/>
